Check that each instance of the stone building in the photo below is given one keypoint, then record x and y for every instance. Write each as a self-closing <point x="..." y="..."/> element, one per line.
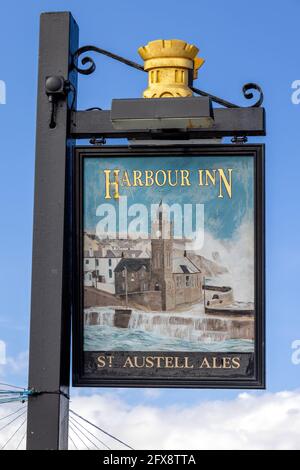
<point x="174" y="276"/>
<point x="132" y="274"/>
<point x="99" y="267"/>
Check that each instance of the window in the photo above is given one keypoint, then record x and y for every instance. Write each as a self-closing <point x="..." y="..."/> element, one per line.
<point x="87" y="261"/>
<point x="109" y="262"/>
<point x="187" y="281"/>
<point x="158" y="260"/>
<point x="110" y="273"/>
<point x="97" y="262"/>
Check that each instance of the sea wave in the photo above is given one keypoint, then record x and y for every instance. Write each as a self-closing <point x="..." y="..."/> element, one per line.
<point x="109" y="338"/>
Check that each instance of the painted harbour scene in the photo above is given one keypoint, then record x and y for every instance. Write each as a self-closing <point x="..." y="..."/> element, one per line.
<point x="159" y="287"/>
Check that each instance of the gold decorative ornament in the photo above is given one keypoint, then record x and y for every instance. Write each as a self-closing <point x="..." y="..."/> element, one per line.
<point x="169" y="64"/>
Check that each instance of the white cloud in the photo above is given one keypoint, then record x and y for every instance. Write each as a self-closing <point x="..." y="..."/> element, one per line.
<point x="268" y="421"/>
<point x="15" y="365"/>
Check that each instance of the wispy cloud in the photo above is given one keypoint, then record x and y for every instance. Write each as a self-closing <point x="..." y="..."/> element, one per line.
<point x="268" y="421"/>
<point x="15" y="366"/>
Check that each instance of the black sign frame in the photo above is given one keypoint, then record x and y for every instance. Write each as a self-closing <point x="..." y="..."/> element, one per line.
<point x="254" y="377"/>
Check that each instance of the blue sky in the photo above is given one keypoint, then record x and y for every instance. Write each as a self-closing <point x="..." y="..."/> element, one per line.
<point x="241" y="44"/>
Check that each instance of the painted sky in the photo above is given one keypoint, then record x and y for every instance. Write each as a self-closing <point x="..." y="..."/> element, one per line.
<point x="241" y="43"/>
<point x="222" y="216"/>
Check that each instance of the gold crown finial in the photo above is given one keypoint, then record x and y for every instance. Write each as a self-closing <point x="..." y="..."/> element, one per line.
<point x="169" y="64"/>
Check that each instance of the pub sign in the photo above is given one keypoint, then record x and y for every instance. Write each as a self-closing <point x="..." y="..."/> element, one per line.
<point x="169" y="266"/>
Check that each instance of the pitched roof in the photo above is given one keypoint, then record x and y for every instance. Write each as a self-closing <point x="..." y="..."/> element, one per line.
<point x="183" y="265"/>
<point x="113" y="254"/>
<point x="98" y="254"/>
<point x="133" y="264"/>
<point x="123" y="253"/>
<point x="95" y="254"/>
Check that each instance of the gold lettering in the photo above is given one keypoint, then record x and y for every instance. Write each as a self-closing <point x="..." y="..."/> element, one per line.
<point x="236" y="362"/>
<point x="109" y="183"/>
<point x="210" y="177"/>
<point x="216" y="364"/>
<point x="149" y="181"/>
<point x="169" y="362"/>
<point x="158" y="360"/>
<point x="164" y="175"/>
<point x="185" y="178"/>
<point x="137" y="175"/>
<point x="139" y="364"/>
<point x="226" y="363"/>
<point x="170" y="178"/>
<point x="186" y="363"/>
<point x="101" y="362"/>
<point x="177" y="364"/>
<point x="125" y="179"/>
<point x="227" y="182"/>
<point x="149" y="361"/>
<point x="205" y="364"/>
<point x="200" y="173"/>
<point x="110" y="361"/>
<point x="128" y="362"/>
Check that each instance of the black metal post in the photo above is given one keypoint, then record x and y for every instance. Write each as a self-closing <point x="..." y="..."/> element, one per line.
<point x="49" y="361"/>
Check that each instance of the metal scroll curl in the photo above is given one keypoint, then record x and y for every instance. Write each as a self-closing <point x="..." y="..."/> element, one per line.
<point x="246" y="92"/>
<point x="91" y="63"/>
<point x="247" y="89"/>
<point x="249" y="95"/>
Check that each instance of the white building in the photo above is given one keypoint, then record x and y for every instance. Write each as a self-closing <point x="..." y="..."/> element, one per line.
<point x="99" y="270"/>
<point x="100" y="261"/>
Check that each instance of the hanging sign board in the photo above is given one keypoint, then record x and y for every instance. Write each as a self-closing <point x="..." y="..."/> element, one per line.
<point x="169" y="266"/>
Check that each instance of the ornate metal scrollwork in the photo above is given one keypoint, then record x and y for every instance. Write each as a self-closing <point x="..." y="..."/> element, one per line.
<point x="246" y="92"/>
<point x="92" y="66"/>
<point x="247" y="88"/>
<point x="249" y="95"/>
